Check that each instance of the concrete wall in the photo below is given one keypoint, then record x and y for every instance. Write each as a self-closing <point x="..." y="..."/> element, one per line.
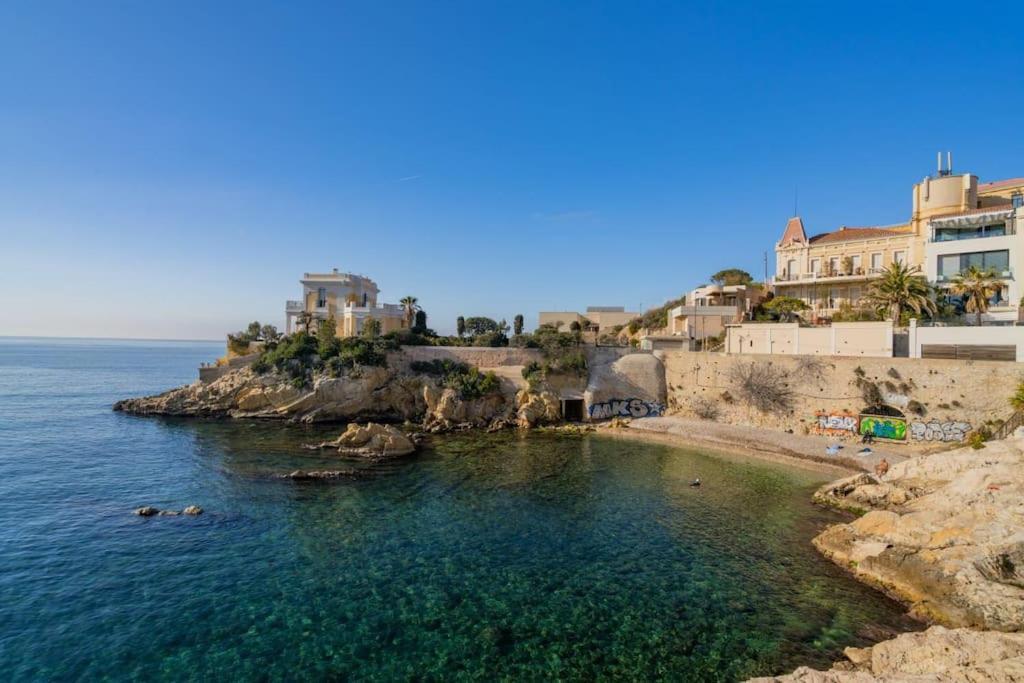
<point x="965" y="336"/>
<point x="839" y="339"/>
<point x="480" y="356"/>
<point x="951" y="393"/>
<point x="209" y="373"/>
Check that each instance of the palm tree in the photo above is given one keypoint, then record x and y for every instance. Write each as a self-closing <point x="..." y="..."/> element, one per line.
<point x="305" y="319"/>
<point x="976" y="286"/>
<point x="900" y="288"/>
<point x="409" y="302"/>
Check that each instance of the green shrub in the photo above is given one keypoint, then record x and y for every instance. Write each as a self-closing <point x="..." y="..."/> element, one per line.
<point x="472" y="384"/>
<point x="466" y="380"/>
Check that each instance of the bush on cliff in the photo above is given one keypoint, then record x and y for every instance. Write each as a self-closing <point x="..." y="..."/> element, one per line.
<point x="468" y="381"/>
<point x="302" y="353"/>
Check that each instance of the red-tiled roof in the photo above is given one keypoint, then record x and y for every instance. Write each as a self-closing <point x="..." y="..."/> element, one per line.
<point x="846" y="234"/>
<point x="794" y="232"/>
<point x="1000" y="184"/>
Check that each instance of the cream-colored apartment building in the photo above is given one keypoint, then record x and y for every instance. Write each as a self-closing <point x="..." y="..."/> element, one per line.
<point x="954" y="222"/>
<point x="348" y="298"/>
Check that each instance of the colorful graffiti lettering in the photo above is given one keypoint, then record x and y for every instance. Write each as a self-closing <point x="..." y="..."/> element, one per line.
<point x="894" y="428"/>
<point x="939" y="431"/>
<point x="625" y="407"/>
<point x="836" y="423"/>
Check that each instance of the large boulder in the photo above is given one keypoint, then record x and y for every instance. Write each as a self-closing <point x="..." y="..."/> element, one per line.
<point x="372" y="440"/>
<point x="537" y="407"/>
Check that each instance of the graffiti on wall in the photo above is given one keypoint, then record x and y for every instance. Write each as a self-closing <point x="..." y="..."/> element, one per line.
<point x="625" y="407"/>
<point x="939" y="431"/>
<point x="880" y="427"/>
<point x="827" y="423"/>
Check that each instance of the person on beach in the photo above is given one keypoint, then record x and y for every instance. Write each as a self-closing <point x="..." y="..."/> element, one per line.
<point x="882" y="467"/>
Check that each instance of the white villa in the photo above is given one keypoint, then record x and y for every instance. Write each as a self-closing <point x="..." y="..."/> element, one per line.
<point x="348" y="298"/>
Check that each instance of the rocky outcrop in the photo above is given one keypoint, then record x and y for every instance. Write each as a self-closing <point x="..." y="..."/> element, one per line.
<point x="371" y="440"/>
<point x="938" y="654"/>
<point x="372" y="393"/>
<point x="535" y="408"/>
<point x="944" y="533"/>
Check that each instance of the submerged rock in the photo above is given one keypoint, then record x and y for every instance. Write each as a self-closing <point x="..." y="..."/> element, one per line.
<point x="321" y="475"/>
<point x="150" y="511"/>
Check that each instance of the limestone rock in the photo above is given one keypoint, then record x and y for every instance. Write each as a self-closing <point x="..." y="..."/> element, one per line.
<point x="192" y="510"/>
<point x="942" y="532"/>
<point x="147" y="511"/>
<point x="372" y="440"/>
<point x="938" y="654"/>
<point x="533" y="408"/>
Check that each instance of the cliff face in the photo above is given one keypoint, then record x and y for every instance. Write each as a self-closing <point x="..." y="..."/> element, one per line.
<point x="372" y="393"/>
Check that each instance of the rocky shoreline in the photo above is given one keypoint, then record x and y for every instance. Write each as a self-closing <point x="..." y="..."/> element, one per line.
<point x="944" y="534"/>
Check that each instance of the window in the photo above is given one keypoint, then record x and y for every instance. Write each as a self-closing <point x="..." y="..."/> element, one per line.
<point x="815" y="265"/>
<point x="951" y="265"/>
<point x="974" y="232"/>
<point x="876" y="261"/>
<point x="833" y="265"/>
<point x="791" y="268"/>
<point x="899" y="257"/>
<point x="856" y="262"/>
<point x="1017" y="199"/>
<point x="321" y="297"/>
<point x="854" y="295"/>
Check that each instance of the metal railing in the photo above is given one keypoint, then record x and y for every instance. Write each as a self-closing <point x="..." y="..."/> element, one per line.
<point x="1010" y="426"/>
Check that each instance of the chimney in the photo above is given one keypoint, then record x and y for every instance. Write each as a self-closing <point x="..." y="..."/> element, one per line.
<point x="939" y="162"/>
<point x="949" y="163"/>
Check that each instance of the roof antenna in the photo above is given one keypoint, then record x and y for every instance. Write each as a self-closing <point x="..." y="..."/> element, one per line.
<point x="796" y="196"/>
<point x="949" y="163"/>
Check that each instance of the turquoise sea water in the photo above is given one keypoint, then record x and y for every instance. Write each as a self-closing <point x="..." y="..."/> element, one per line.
<point x="486" y="557"/>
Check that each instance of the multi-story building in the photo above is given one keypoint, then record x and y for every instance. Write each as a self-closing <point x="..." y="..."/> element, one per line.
<point x="954" y="223"/>
<point x="347" y="298"/>
<point x="710" y="308"/>
<point x="597" y="319"/>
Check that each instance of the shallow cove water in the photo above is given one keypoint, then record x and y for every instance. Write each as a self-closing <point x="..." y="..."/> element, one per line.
<point x="486" y="556"/>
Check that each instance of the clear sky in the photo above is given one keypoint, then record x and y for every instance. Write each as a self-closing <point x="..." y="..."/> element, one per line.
<point x="170" y="169"/>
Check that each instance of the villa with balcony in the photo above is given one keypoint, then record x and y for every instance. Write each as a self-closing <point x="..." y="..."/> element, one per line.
<point x="830" y="269"/>
<point x="955" y="222"/>
<point x="349" y="299"/>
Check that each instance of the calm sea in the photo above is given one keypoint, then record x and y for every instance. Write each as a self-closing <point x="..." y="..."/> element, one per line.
<point x="485" y="557"/>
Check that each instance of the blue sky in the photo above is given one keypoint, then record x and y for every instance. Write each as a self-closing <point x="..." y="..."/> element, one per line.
<point x="170" y="169"/>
